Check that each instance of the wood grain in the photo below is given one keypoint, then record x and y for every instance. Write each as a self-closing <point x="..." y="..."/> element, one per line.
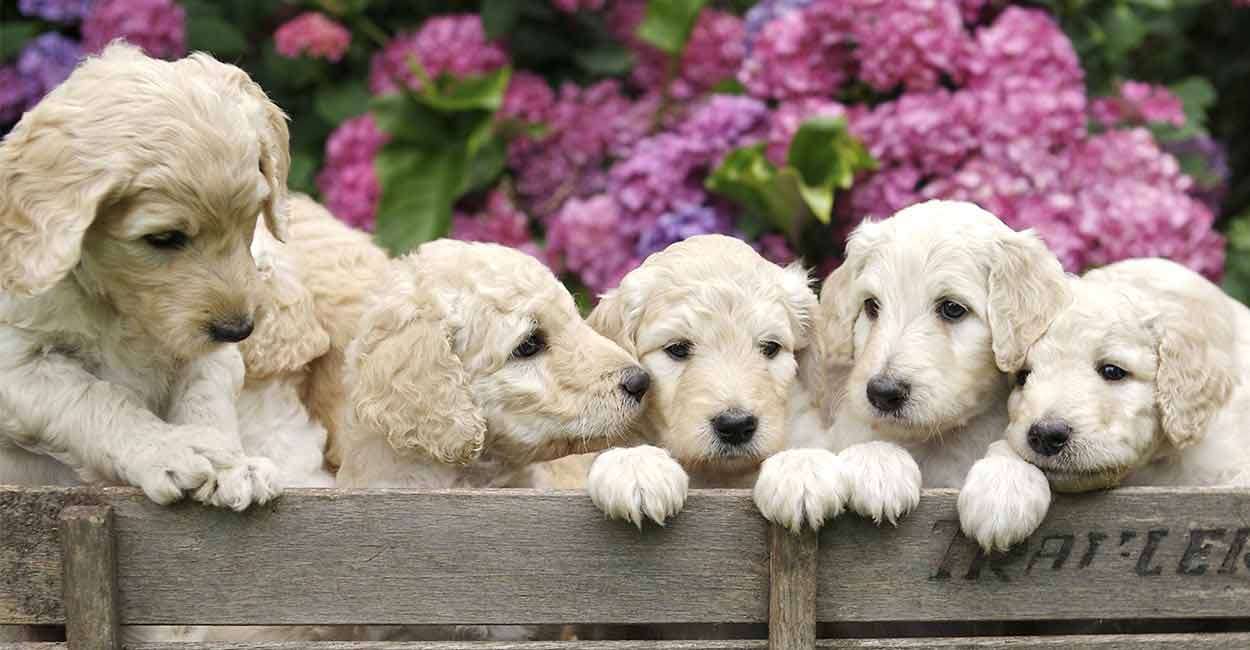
<point x="792" y="590"/>
<point x="89" y="578"/>
<point x="1155" y="554"/>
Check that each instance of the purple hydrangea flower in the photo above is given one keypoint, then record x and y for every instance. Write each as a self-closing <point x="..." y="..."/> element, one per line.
<point x="48" y="59"/>
<point x="762" y="13"/>
<point x="57" y="11"/>
<point x="501" y="223"/>
<point x="588" y="236"/>
<point x="452" y="44"/>
<point x="17" y="93"/>
<point x="348" y="181"/>
<point x="159" y="27"/>
<point x="682" y="223"/>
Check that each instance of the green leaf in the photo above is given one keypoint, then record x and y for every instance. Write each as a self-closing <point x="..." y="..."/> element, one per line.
<point x="419" y="187"/>
<point x="729" y="86"/>
<point x="606" y="60"/>
<point x="668" y="24"/>
<point x="1237" y="268"/>
<point x="303" y="168"/>
<point x="500" y="16"/>
<point x="827" y="158"/>
<point x="1197" y="95"/>
<point x="748" y="178"/>
<point x="449" y="94"/>
<point x="485" y="166"/>
<point x="406" y="121"/>
<point x="1124" y="30"/>
<point x="217" y="36"/>
<point x="343" y="101"/>
<point x="13" y="37"/>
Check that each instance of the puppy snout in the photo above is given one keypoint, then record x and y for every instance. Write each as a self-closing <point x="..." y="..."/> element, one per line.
<point x="232" y="330"/>
<point x="735" y="426"/>
<point x="635" y="383"/>
<point x="1049" y="437"/>
<point x="887" y="394"/>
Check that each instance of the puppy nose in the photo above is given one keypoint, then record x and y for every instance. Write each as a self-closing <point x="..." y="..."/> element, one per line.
<point x="887" y="394"/>
<point x="1049" y="437"/>
<point x="636" y="383"/>
<point x="230" y="331"/>
<point x="735" y="426"/>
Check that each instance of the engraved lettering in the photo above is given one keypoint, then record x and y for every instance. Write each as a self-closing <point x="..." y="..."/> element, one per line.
<point x="1059" y="555"/>
<point x="996" y="561"/>
<point x="1088" y="558"/>
<point x="1199" y="546"/>
<point x="1229" y="565"/>
<point x="1153" y="537"/>
<point x="944" y="569"/>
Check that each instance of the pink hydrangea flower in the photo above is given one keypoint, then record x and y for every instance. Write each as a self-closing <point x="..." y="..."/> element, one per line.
<point x="802" y="53"/>
<point x="314" y="34"/>
<point x="452" y="44"/>
<point x="573" y="6"/>
<point x="774" y="248"/>
<point x="528" y="98"/>
<point x="712" y="54"/>
<point x="588" y="236"/>
<point x="1139" y="103"/>
<point x="909" y="42"/>
<point x="156" y="26"/>
<point x="348" y="181"/>
<point x="501" y="223"/>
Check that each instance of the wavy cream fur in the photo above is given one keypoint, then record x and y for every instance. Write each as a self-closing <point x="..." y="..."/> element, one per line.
<point x="720" y="295"/>
<point x="929" y="252"/>
<point x="1176" y="419"/>
<point x="107" y="371"/>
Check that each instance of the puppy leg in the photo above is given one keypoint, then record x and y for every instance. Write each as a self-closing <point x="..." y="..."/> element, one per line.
<point x="802" y="486"/>
<point x="628" y="483"/>
<point x="206" y="395"/>
<point x="1003" y="500"/>
<point x="885" y="480"/>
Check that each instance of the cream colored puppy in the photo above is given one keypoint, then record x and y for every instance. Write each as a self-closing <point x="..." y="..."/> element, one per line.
<point x="718" y="328"/>
<point x="472" y="363"/>
<point x="128" y="200"/>
<point x="1141" y="381"/>
<point x="921" y="323"/>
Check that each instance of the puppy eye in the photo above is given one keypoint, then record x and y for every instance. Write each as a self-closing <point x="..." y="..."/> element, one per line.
<point x="168" y="240"/>
<point x="531" y="346"/>
<point x="678" y="350"/>
<point x="872" y="308"/>
<point x="1022" y="376"/>
<point x="951" y="311"/>
<point x="1112" y="372"/>
<point x="770" y="348"/>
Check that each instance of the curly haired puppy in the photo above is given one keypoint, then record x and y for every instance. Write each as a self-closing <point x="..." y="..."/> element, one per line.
<point x="128" y="201"/>
<point x="718" y="327"/>
<point x="921" y="323"/>
<point x="471" y="363"/>
<point x="1141" y="381"/>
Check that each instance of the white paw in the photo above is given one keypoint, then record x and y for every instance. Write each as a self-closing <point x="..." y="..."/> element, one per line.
<point x="1002" y="502"/>
<point x="629" y="483"/>
<point x="252" y="479"/>
<point x="885" y="480"/>
<point x="200" y="461"/>
<point x="802" y="486"/>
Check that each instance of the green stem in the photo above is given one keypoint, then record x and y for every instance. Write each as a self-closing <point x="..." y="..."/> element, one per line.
<point x="371" y="29"/>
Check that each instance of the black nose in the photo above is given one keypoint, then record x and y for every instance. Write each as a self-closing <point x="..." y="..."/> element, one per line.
<point x="636" y="383"/>
<point x="230" y="331"/>
<point x="887" y="394"/>
<point x="1049" y="437"/>
<point x="735" y="426"/>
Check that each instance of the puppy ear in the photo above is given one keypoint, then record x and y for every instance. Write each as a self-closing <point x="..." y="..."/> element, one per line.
<point x="409" y="384"/>
<point x="1195" y="378"/>
<point x="49" y="196"/>
<point x="619" y="310"/>
<point x="1027" y="288"/>
<point x="288" y="335"/>
<point x="838" y="307"/>
<point x="800" y="300"/>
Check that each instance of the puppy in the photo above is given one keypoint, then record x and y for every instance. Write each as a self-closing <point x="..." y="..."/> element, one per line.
<point x="471" y="363"/>
<point x="128" y="200"/>
<point x="717" y="327"/>
<point x="1141" y="381"/>
<point x="920" y="325"/>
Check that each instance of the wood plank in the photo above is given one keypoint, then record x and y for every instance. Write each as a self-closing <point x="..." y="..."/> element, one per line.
<point x="464" y="645"/>
<point x="33" y="645"/>
<point x="1130" y="553"/>
<point x="89" y="578"/>
<point x="437" y="557"/>
<point x="792" y="590"/>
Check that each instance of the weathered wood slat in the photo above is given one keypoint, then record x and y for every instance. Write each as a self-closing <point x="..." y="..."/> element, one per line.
<point x="1132" y="553"/>
<point x="440" y="557"/>
<point x="89" y="577"/>
<point x="34" y="645"/>
<point x="792" y="590"/>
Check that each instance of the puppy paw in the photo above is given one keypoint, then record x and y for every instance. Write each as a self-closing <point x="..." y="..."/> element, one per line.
<point x="802" y="486"/>
<point x="1003" y="500"/>
<point x="884" y="480"/>
<point x="630" y="483"/>
<point x="167" y="473"/>
<point x="251" y="479"/>
<point x="202" y="462"/>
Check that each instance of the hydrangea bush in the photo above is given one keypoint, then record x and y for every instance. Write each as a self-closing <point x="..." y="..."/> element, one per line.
<point x="592" y="133"/>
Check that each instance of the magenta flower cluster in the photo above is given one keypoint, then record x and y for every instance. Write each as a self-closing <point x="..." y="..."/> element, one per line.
<point x="157" y="26"/>
<point x="313" y="34"/>
<point x="962" y="100"/>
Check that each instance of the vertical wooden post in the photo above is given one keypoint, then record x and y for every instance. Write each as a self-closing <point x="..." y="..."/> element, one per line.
<point x="792" y="589"/>
<point x="89" y="578"/>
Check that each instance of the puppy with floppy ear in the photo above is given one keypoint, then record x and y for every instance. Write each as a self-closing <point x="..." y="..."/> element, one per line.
<point x="1126" y="387"/>
<point x="472" y="363"/>
<point x="923" y="320"/>
<point x="128" y="200"/>
<point x="718" y="328"/>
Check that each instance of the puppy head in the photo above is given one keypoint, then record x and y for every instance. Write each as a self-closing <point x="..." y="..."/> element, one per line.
<point x="718" y="328"/>
<point x="1122" y="376"/>
<point x="929" y="309"/>
<point x="145" y="178"/>
<point x="471" y="347"/>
